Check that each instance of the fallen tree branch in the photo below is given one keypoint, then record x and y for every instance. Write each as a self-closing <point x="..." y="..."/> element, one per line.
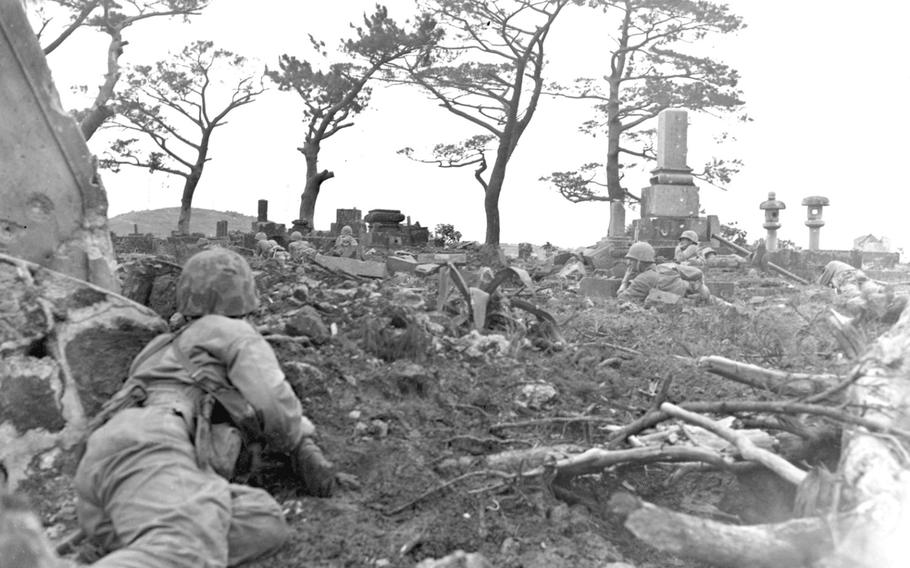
<point x="799" y="542"/>
<point x="781" y="382"/>
<point x="551" y="420"/>
<point x="439" y="488"/>
<point x="744" y="445"/>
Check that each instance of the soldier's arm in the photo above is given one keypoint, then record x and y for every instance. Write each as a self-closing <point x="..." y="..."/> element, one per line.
<point x="254" y="370"/>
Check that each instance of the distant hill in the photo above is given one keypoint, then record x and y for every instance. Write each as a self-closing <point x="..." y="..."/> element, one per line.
<point x="160" y="222"/>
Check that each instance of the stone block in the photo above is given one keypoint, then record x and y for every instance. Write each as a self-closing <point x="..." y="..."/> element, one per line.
<point x="426" y="269"/>
<point x="369" y="268"/>
<point x="666" y="230"/>
<point x="669" y="201"/>
<point x="672" y="134"/>
<point x="599" y="288"/>
<point x="308" y="323"/>
<point x="724" y="290"/>
<point x="442" y="257"/>
<point x="401" y="264"/>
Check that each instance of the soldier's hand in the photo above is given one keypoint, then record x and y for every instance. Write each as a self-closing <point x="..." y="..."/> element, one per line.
<point x="316" y="474"/>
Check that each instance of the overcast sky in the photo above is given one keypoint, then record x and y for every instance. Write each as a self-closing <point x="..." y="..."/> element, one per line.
<point x="824" y="80"/>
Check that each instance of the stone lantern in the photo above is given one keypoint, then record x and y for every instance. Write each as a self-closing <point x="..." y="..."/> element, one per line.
<point x="814" y="221"/>
<point x="772" y="209"/>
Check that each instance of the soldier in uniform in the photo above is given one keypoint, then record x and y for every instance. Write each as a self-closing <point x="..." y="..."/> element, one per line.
<point x="642" y="276"/>
<point x="151" y="484"/>
<point x="686" y="251"/>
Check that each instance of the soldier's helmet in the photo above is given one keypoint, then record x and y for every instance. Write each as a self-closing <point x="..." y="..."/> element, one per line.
<point x="347" y="230"/>
<point x="641" y="251"/>
<point x="691" y="235"/>
<point x="260" y="236"/>
<point x="707" y="250"/>
<point x="216" y="281"/>
<point x="296" y="236"/>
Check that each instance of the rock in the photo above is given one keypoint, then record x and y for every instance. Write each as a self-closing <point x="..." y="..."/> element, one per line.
<point x="426" y="269"/>
<point x="458" y="559"/>
<point x="536" y="396"/>
<point x="23" y="542"/>
<point x="401" y="264"/>
<point x="353" y="266"/>
<point x="65" y="347"/>
<point x="411" y="379"/>
<point x="573" y="267"/>
<point x="599" y="288"/>
<point x="308" y="323"/>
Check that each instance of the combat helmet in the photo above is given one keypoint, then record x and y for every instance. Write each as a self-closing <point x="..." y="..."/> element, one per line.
<point x="216" y="281"/>
<point x="296" y="236"/>
<point x="641" y="251"/>
<point x="691" y="235"/>
<point x="260" y="236"/>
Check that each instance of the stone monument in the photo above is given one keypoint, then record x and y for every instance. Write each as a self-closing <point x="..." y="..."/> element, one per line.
<point x="670" y="205"/>
<point x="814" y="205"/>
<point x="772" y="208"/>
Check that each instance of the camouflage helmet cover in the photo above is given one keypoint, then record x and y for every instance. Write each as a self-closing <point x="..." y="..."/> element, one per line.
<point x="641" y="251"/>
<point x="691" y="235"/>
<point x="296" y="236"/>
<point x="216" y="281"/>
<point x="260" y="236"/>
<point x="347" y="230"/>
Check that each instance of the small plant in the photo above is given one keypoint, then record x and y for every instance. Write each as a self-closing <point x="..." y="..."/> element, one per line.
<point x="445" y="234"/>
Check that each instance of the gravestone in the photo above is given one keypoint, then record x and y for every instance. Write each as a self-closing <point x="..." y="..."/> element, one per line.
<point x="670" y="204"/>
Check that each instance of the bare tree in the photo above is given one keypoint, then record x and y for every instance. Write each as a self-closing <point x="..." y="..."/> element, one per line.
<point x="334" y="96"/>
<point x="111" y="17"/>
<point x="173" y="105"/>
<point x="650" y="71"/>
<point x="488" y="71"/>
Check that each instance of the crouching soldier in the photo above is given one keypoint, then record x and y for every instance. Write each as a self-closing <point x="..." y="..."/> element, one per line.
<point x="642" y="276"/>
<point x="152" y="487"/>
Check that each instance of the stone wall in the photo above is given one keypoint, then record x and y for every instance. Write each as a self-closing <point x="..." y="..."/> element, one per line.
<point x="65" y="347"/>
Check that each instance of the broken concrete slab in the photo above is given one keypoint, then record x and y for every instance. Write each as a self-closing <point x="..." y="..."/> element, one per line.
<point x="65" y="347"/>
<point x="53" y="208"/>
<point x="426" y="269"/>
<point x="599" y="288"/>
<point x="401" y="264"/>
<point x="369" y="268"/>
<point x="442" y="258"/>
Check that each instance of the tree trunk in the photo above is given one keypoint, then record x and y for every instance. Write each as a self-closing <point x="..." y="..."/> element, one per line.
<point x="186" y="203"/>
<point x="617" y="226"/>
<point x="99" y="111"/>
<point x="491" y="201"/>
<point x="314" y="179"/>
<point x="615" y="190"/>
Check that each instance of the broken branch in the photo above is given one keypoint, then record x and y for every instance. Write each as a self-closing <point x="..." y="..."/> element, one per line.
<point x="744" y="445"/>
<point x="791" y="384"/>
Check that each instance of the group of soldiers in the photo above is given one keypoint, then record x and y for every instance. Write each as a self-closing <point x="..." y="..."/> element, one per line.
<point x="683" y="277"/>
<point x="155" y="480"/>
<point x="298" y="249"/>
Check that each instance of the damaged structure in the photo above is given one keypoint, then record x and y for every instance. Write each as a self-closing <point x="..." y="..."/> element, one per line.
<point x="54" y="215"/>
